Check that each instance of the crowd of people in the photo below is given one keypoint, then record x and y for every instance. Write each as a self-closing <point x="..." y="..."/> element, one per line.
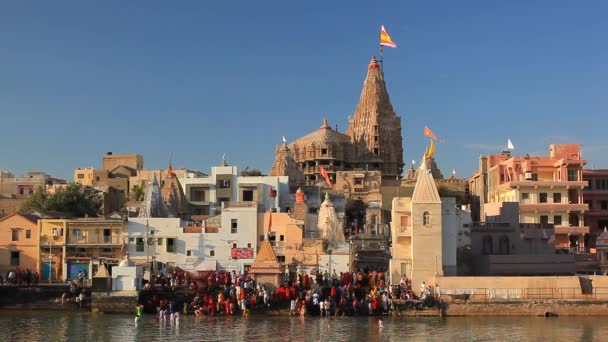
<point x="20" y="277"/>
<point x="323" y="294"/>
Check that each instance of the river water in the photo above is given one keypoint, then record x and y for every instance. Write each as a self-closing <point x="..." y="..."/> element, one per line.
<point x="78" y="326"/>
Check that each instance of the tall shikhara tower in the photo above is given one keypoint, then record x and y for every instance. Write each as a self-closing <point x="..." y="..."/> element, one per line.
<point x="375" y="128"/>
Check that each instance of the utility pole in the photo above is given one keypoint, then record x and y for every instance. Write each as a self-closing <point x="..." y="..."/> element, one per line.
<point x="147" y="242"/>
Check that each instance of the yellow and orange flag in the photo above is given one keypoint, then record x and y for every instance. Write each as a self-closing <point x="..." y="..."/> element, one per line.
<point x="430" y="134"/>
<point x="385" y="39"/>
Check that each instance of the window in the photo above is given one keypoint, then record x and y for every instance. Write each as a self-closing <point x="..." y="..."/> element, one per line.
<point x="139" y="245"/>
<point x="97" y="178"/>
<point x="281" y="237"/>
<point x="80" y="176"/>
<point x="280" y="258"/>
<point x="589" y="203"/>
<point x="15" y="258"/>
<point x="189" y="252"/>
<point x="261" y="237"/>
<point x="324" y="151"/>
<point x="212" y="253"/>
<point x="197" y="195"/>
<point x="572" y="175"/>
<point x="544" y="219"/>
<point x="249" y="245"/>
<point x="376" y="151"/>
<point x="131" y="240"/>
<point x="312" y="210"/>
<point x="159" y="241"/>
<point x="525" y="195"/>
<point x="233" y="226"/>
<point x="15" y="235"/>
<point x="557" y="220"/>
<point x="28" y="234"/>
<point x="358" y="181"/>
<point x="247" y="195"/>
<point x="604" y="205"/>
<point x="542" y="198"/>
<point x="171" y="245"/>
<point x="487" y="245"/>
<point x="601" y="184"/>
<point x="76" y="233"/>
<point x="557" y="197"/>
<point x="426" y="219"/>
<point x="107" y="250"/>
<point x="224" y="184"/>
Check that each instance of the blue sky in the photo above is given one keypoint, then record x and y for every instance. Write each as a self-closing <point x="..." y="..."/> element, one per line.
<point x="203" y="78"/>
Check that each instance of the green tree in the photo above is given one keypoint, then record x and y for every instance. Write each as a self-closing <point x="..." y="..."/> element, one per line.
<point x="70" y="200"/>
<point x="137" y="192"/>
<point x="250" y="172"/>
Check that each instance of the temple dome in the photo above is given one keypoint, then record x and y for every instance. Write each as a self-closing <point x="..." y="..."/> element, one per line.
<point x="324" y="136"/>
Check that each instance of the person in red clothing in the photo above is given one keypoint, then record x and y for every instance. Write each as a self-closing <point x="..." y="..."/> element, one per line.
<point x="211" y="305"/>
<point x="375" y="305"/>
<point x="333" y="292"/>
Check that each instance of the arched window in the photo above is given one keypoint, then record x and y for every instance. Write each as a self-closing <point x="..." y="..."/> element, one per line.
<point x="504" y="247"/>
<point x="487" y="245"/>
<point x="426" y="219"/>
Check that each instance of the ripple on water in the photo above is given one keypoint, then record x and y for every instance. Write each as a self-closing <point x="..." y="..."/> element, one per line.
<point x="62" y="326"/>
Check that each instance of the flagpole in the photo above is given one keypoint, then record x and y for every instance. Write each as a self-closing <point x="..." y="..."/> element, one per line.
<point x="382" y="58"/>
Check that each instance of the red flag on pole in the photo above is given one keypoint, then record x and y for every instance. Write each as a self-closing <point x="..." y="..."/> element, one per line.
<point x="430" y="134"/>
<point x="326" y="176"/>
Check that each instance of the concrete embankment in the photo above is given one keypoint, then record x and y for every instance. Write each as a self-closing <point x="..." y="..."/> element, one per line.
<point x="544" y="307"/>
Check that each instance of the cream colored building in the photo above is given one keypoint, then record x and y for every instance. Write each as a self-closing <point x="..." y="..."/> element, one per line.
<point x="53" y="234"/>
<point x="424" y="233"/>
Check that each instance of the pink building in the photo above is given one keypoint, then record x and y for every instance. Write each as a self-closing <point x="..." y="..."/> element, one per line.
<point x="549" y="190"/>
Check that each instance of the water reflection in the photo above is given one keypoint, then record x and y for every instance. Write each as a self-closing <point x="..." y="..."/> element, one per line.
<point x="55" y="326"/>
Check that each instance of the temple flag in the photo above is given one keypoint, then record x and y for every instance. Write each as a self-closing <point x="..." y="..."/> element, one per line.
<point x="430" y="134"/>
<point x="326" y="176"/>
<point x="510" y="145"/>
<point x="385" y="39"/>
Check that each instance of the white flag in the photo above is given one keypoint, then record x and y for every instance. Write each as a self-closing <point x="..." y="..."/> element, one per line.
<point x="510" y="144"/>
<point x="413" y="162"/>
<point x="453" y="172"/>
<point x="284" y="140"/>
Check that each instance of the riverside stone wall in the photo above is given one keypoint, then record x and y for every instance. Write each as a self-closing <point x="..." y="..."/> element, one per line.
<point x="102" y="302"/>
<point x="529" y="308"/>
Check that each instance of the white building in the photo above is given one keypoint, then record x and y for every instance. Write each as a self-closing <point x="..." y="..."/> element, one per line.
<point x="233" y="245"/>
<point x="206" y="193"/>
<point x="169" y="243"/>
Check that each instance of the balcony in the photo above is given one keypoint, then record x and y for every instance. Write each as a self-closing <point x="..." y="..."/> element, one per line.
<point x="95" y="240"/>
<point x="241" y="204"/>
<point x="278" y="246"/>
<point x="553" y="207"/>
<point x="403" y="231"/>
<point x="571" y="230"/>
<point x="543" y="184"/>
<point x="54" y="240"/>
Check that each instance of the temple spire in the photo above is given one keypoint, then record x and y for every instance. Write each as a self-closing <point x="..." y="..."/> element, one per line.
<point x="375" y="126"/>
